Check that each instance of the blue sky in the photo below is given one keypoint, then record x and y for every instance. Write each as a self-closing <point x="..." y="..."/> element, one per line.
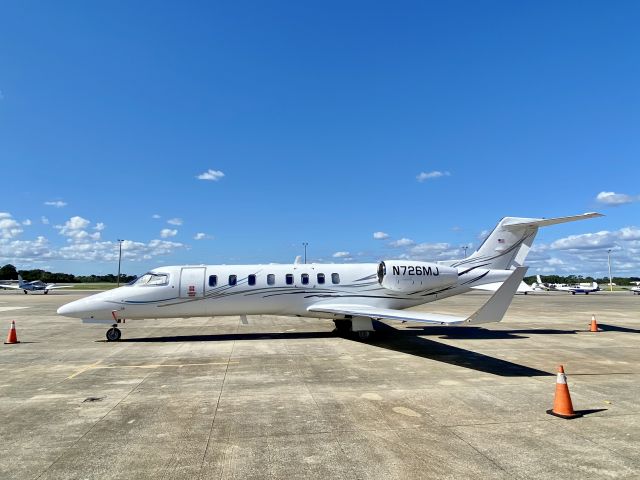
<point x="321" y="116"/>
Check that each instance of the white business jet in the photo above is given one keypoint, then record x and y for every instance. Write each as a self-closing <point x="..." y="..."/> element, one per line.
<point x="352" y="295"/>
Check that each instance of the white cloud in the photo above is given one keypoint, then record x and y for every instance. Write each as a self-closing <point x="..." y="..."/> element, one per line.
<point x="380" y="235"/>
<point x="341" y="254"/>
<point x="403" y="242"/>
<point x="433" y="249"/>
<point x="75" y="230"/>
<point x="210" y="174"/>
<point x="156" y="216"/>
<point x="44" y="220"/>
<point x="614" y="199"/>
<point x="167" y="232"/>
<point x="56" y="203"/>
<point x="202" y="236"/>
<point x="99" y="226"/>
<point x="483" y="234"/>
<point x="603" y="239"/>
<point x="26" y="222"/>
<point x="9" y="227"/>
<point x="25" y="250"/>
<point x="175" y="221"/>
<point x="423" y="176"/>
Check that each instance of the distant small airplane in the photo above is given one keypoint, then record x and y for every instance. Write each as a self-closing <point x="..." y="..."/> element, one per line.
<point x="352" y="295"/>
<point x="585" y="288"/>
<point x="635" y="290"/>
<point x="539" y="286"/>
<point x="34" y="286"/>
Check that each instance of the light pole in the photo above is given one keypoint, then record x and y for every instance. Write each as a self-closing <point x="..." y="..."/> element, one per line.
<point x="119" y="258"/>
<point x="609" y="261"/>
<point x="465" y="250"/>
<point x="304" y="244"/>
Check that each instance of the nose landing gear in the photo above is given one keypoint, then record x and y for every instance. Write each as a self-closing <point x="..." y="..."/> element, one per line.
<point x="113" y="334"/>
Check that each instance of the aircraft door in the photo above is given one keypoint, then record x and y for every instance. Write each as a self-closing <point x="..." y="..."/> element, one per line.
<point x="192" y="282"/>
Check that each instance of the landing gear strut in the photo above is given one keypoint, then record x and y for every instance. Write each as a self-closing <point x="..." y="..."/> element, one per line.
<point x="359" y="327"/>
<point x="113" y="334"/>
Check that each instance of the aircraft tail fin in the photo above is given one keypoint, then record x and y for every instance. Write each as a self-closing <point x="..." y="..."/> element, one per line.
<point x="508" y="244"/>
<point x="539" y="279"/>
<point x="21" y="282"/>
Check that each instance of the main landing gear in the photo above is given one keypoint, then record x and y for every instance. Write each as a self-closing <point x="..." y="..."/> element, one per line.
<point x="114" y="333"/>
<point x="361" y="328"/>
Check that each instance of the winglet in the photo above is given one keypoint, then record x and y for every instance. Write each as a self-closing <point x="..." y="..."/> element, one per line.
<point x="496" y="307"/>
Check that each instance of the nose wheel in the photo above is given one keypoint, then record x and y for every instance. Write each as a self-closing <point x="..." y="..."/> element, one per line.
<point x="113" y="334"/>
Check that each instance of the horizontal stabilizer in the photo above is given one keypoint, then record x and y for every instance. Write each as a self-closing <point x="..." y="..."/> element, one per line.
<point x="492" y="311"/>
<point x="544" y="222"/>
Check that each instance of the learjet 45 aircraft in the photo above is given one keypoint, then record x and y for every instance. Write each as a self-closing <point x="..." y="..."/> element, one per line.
<point x="352" y="295"/>
<point x="34" y="286"/>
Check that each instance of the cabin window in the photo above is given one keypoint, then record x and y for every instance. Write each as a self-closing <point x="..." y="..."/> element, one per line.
<point x="335" y="278"/>
<point x="305" y="279"/>
<point x="321" y="278"/>
<point x="289" y="279"/>
<point x="271" y="279"/>
<point x="233" y="279"/>
<point x="252" y="279"/>
<point x="213" y="280"/>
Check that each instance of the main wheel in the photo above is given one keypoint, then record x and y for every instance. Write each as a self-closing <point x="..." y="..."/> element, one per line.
<point x="25" y="292"/>
<point x="113" y="334"/>
<point x="46" y="291"/>
<point x="363" y="335"/>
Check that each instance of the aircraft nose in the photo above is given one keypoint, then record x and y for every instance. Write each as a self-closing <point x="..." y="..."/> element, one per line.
<point x="72" y="309"/>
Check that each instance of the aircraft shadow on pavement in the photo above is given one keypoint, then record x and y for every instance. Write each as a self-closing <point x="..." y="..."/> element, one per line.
<point x="230" y="336"/>
<point x="614" y="328"/>
<point x="411" y="342"/>
<point x="405" y="341"/>
<point x="479" y="333"/>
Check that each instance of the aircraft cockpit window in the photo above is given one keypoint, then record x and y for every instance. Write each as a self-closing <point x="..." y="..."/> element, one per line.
<point x="335" y="278"/>
<point x="151" y="280"/>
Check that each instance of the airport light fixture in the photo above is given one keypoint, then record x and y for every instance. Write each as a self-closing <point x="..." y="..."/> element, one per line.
<point x="304" y="244"/>
<point x="465" y="250"/>
<point x="609" y="262"/>
<point x="119" y="259"/>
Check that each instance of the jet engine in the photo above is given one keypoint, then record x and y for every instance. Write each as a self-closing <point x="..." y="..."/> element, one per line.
<point x="409" y="277"/>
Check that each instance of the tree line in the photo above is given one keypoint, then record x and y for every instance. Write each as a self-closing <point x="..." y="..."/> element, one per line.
<point x="9" y="272"/>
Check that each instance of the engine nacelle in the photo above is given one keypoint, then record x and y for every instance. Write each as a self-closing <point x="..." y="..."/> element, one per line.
<point x="409" y="276"/>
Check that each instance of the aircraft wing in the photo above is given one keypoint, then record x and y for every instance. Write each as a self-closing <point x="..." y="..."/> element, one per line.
<point x="492" y="311"/>
<point x="53" y="287"/>
<point x="16" y="287"/>
<point x="492" y="287"/>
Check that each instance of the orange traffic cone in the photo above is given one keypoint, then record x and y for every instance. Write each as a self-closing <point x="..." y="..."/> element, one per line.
<point x="13" y="336"/>
<point x="562" y="406"/>
<point x="594" y="324"/>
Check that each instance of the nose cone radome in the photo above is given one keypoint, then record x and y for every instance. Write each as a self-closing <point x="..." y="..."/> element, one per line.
<point x="73" y="309"/>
